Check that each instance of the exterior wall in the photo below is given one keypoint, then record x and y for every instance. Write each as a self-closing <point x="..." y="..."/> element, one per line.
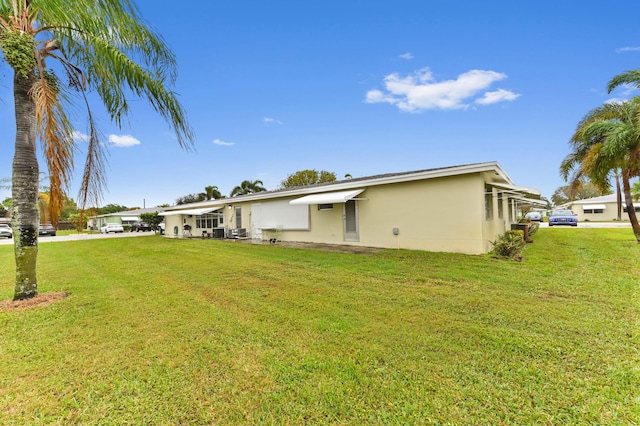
<point x="609" y="214"/>
<point x="171" y="222"/>
<point x="444" y="214"/>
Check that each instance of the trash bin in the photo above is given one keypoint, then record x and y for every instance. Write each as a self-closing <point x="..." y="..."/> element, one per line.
<point x="524" y="227"/>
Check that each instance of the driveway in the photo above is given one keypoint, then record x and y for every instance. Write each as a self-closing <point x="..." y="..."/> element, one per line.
<point x="76" y="237"/>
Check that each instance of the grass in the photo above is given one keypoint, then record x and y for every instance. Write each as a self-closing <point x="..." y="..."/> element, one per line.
<point x="162" y="331"/>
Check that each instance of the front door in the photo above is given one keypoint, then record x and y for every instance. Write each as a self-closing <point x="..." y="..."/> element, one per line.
<point x="351" y="221"/>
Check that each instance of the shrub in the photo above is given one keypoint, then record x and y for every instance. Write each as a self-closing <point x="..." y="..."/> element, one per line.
<point x="509" y="245"/>
<point x="533" y="227"/>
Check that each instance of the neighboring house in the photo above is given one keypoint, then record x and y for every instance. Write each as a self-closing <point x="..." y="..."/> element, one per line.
<point x="604" y="207"/>
<point x="453" y="209"/>
<point x="124" y="218"/>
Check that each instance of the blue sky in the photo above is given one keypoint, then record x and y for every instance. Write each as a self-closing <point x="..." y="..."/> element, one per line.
<point x="363" y="87"/>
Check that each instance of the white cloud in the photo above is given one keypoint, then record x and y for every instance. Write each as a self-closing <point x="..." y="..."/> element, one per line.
<point x="407" y="56"/>
<point x="624" y="92"/>
<point x="222" y="143"/>
<point x="420" y="91"/>
<point x="271" y="120"/>
<point x="499" y="95"/>
<point x="628" y="49"/>
<point x="123" y="141"/>
<point x="628" y="89"/>
<point x="79" y="137"/>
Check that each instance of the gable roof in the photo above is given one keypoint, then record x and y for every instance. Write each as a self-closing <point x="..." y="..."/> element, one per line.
<point x="498" y="175"/>
<point x="136" y="212"/>
<point x="611" y="198"/>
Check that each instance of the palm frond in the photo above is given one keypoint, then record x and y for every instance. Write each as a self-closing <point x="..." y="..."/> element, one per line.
<point x="93" y="177"/>
<point x="629" y="77"/>
<point x="54" y="130"/>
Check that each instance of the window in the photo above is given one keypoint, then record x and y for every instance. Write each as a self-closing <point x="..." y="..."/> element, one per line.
<point x="238" y="217"/>
<point x="208" y="221"/>
<point x="488" y="203"/>
<point x="325" y="206"/>
<point x="500" y="207"/>
<point x="636" y="208"/>
<point x="593" y="211"/>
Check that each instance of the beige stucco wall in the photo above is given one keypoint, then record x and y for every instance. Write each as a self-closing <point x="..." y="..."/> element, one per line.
<point x="444" y="214"/>
<point x="172" y="221"/>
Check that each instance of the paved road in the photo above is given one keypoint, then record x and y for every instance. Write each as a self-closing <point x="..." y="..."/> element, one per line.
<point x="76" y="237"/>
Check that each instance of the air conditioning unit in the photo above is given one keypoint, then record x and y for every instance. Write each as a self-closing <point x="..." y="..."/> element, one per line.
<point x="238" y="233"/>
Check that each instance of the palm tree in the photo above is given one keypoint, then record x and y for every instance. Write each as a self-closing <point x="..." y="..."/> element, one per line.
<point x="607" y="140"/>
<point x="212" y="192"/>
<point x="248" y="187"/>
<point x="100" y="46"/>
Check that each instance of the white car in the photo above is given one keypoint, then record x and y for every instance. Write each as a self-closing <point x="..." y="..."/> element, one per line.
<point x="6" y="231"/>
<point x="534" y="216"/>
<point x="111" y="227"/>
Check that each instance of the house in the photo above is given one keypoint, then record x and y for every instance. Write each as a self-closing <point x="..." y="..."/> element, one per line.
<point x="451" y="209"/>
<point x="125" y="218"/>
<point x="601" y="208"/>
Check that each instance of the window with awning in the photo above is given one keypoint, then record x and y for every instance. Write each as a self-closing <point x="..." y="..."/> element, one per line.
<point x="593" y="208"/>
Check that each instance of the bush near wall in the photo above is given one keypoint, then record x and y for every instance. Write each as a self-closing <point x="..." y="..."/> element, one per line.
<point x="509" y="245"/>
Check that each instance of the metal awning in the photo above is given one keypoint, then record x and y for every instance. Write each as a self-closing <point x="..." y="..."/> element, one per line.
<point x="594" y="207"/>
<point x="328" y="197"/>
<point x="192" y="212"/>
<point x="515" y="188"/>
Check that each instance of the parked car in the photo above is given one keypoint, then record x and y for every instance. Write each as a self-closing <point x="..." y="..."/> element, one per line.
<point x="562" y="217"/>
<point x="140" y="226"/>
<point x="111" y="227"/>
<point x="534" y="216"/>
<point x="47" y="229"/>
<point x="5" y="231"/>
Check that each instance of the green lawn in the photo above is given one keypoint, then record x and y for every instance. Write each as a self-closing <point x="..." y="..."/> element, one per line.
<point x="161" y="331"/>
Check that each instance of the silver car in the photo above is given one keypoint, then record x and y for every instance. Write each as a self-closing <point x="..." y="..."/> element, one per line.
<point x="5" y="231"/>
<point x="534" y="216"/>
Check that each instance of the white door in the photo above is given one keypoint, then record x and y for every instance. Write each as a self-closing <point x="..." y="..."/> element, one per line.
<point x="351" y="221"/>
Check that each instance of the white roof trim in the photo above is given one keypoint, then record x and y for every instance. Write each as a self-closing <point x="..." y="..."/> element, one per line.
<point x="192" y="212"/>
<point x="327" y="197"/>
<point x="593" y="206"/>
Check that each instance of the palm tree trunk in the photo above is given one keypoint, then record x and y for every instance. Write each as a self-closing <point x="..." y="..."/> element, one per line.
<point x="25" y="177"/>
<point x="631" y="211"/>
<point x="618" y="196"/>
